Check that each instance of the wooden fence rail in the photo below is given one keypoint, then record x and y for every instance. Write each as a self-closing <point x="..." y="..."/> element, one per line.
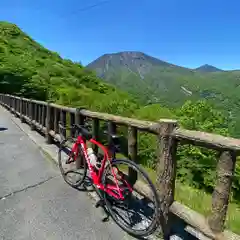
<point x="45" y="117"/>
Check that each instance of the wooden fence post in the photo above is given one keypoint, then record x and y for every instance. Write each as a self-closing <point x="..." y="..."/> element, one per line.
<point x="48" y="124"/>
<point x="132" y="152"/>
<point x="112" y="129"/>
<point x="11" y="104"/>
<point x="95" y="134"/>
<point x="56" y="120"/>
<point x="15" y="106"/>
<point x="31" y="114"/>
<point x="20" y="109"/>
<point x="77" y="116"/>
<point x="221" y="193"/>
<point x="7" y="100"/>
<point x="72" y="121"/>
<point x="39" y="109"/>
<point x="44" y="113"/>
<point x="79" y="119"/>
<point x="63" y="116"/>
<point x="18" y="105"/>
<point x="82" y="118"/>
<point x="166" y="171"/>
<point x="35" y="113"/>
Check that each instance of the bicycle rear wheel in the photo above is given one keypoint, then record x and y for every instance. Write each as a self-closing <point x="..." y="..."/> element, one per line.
<point x="148" y="200"/>
<point x="72" y="174"/>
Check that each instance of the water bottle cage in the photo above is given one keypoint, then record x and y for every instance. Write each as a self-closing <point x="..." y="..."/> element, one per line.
<point x="115" y="148"/>
<point x="100" y="157"/>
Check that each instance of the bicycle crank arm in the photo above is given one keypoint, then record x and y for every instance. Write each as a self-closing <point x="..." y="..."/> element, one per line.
<point x="101" y="203"/>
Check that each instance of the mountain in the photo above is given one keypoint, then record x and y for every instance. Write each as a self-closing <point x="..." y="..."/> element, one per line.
<point x="28" y="69"/>
<point x="151" y="81"/>
<point x="208" y="68"/>
<point x="136" y="61"/>
<point x="139" y="73"/>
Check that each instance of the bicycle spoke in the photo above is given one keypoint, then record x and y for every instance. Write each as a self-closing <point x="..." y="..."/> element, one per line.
<point x="137" y="213"/>
<point x="66" y="159"/>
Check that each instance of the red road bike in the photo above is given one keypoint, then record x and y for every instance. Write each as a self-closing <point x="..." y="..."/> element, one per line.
<point x="111" y="181"/>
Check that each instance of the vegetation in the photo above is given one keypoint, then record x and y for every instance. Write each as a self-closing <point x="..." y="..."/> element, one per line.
<point x="196" y="166"/>
<point x="201" y="202"/>
<point x="30" y="70"/>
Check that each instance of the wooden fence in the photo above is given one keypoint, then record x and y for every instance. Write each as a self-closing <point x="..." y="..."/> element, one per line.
<point x="45" y="117"/>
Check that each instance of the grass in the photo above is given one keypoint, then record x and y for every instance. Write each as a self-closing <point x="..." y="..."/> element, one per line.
<point x="200" y="201"/>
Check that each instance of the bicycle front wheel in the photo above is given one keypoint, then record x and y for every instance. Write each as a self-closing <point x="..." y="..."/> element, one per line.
<point x="72" y="174"/>
<point x="139" y="212"/>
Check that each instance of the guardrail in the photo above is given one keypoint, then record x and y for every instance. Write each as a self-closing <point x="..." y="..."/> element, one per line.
<point x="45" y="116"/>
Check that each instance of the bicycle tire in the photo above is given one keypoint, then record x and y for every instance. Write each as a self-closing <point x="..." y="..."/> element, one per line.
<point x="157" y="212"/>
<point x="84" y="167"/>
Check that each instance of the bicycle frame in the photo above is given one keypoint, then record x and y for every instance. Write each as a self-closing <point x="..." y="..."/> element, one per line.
<point x="97" y="176"/>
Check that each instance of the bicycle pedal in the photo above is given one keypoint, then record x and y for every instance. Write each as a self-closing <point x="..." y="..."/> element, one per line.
<point x="105" y="218"/>
<point x="105" y="215"/>
<point x="68" y="162"/>
<point x="100" y="203"/>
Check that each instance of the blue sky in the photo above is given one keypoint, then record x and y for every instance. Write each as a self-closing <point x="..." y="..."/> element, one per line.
<point x="183" y="32"/>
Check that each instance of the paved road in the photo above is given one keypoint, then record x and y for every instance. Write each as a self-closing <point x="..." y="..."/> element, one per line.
<point x="35" y="203"/>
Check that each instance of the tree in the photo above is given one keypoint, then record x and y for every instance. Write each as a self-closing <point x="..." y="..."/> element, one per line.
<point x="196" y="165"/>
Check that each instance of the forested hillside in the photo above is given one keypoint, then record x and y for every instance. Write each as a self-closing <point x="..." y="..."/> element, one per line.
<point x="28" y="69"/>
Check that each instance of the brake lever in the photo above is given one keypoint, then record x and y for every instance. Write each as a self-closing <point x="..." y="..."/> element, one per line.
<point x="114" y="136"/>
<point x="87" y="126"/>
<point x="105" y="132"/>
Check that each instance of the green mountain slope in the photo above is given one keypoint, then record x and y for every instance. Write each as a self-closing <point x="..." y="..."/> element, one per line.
<point x="154" y="81"/>
<point x="138" y="73"/>
<point x="29" y="69"/>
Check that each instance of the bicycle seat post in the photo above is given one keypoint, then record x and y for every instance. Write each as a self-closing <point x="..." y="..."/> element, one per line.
<point x="112" y="149"/>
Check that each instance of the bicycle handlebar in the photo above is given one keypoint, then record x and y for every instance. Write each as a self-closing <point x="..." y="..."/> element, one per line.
<point x="82" y="129"/>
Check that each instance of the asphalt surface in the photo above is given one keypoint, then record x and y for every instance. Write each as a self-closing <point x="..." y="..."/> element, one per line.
<point x="35" y="202"/>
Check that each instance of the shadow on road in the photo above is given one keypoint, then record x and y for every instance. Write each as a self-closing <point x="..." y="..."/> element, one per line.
<point x="3" y="129"/>
<point x="135" y="213"/>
